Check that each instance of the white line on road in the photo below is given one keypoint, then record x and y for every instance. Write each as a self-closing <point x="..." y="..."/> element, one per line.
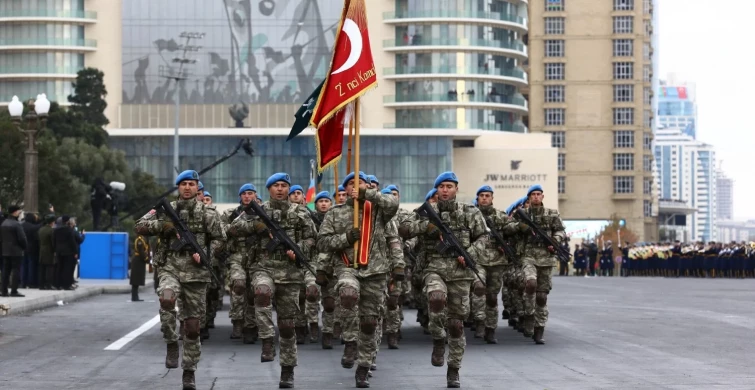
<point x="120" y="343"/>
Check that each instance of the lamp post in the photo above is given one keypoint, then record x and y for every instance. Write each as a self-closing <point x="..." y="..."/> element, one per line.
<point x="30" y="124"/>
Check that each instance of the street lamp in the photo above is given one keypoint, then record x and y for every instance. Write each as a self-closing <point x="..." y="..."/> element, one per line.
<point x="35" y="120"/>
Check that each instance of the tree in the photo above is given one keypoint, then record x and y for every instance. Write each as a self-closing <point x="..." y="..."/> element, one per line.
<point x="611" y="232"/>
<point x="67" y="124"/>
<point x="89" y="96"/>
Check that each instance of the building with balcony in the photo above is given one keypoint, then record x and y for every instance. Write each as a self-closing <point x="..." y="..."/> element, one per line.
<point x="591" y="75"/>
<point x="43" y="44"/>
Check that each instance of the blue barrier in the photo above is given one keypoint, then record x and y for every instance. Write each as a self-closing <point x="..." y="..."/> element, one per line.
<point x="104" y="256"/>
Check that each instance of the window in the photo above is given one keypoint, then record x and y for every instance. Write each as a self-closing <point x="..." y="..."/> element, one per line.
<point x="623" y="93"/>
<point x="623" y="184"/>
<point x="554" y="116"/>
<point x="554" y="93"/>
<point x="558" y="139"/>
<point x="623" y="5"/>
<point x="554" y="71"/>
<point x="623" y="116"/>
<point x="623" y="70"/>
<point x="647" y="119"/>
<point x="647" y="5"/>
<point x="647" y="141"/>
<point x="647" y="96"/>
<point x="561" y="162"/>
<point x="554" y="26"/>
<point x="623" y="139"/>
<point x="623" y="47"/>
<point x="647" y="208"/>
<point x="647" y="73"/>
<point x="648" y="27"/>
<point x="554" y="48"/>
<point x="561" y="185"/>
<point x="623" y="24"/>
<point x="647" y="185"/>
<point x="554" y="5"/>
<point x="646" y="50"/>
<point x="623" y="162"/>
<point x="647" y="163"/>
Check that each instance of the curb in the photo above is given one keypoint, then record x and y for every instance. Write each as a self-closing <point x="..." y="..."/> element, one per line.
<point x="32" y="304"/>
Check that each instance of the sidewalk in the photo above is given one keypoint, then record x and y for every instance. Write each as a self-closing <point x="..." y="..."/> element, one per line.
<point x="41" y="299"/>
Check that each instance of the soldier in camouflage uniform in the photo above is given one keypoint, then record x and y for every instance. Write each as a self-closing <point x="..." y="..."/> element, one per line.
<point x="513" y="279"/>
<point x="314" y="293"/>
<point x="447" y="280"/>
<point x="423" y="317"/>
<point x="275" y="274"/>
<point x="181" y="275"/>
<point x="296" y="195"/>
<point x="214" y="290"/>
<point x="361" y="289"/>
<point x="341" y="196"/>
<point x="539" y="261"/>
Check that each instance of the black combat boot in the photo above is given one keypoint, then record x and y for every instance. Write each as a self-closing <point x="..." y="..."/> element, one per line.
<point x="439" y="352"/>
<point x="349" y="354"/>
<point x="327" y="341"/>
<point x="211" y="323"/>
<point x="512" y="323"/>
<point x="287" y="377"/>
<point x="268" y="350"/>
<point x="250" y="335"/>
<point x="490" y="336"/>
<point x="314" y="332"/>
<point x="452" y="378"/>
<point x="392" y="340"/>
<point x="479" y="329"/>
<point x="361" y="377"/>
<point x="188" y="380"/>
<point x="529" y="326"/>
<point x="538" y="337"/>
<point x="204" y="334"/>
<point x="171" y="356"/>
<point x="505" y="314"/>
<point x="301" y="334"/>
<point x="237" y="329"/>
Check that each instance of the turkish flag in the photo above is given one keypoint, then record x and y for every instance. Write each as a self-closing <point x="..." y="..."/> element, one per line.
<point x="329" y="141"/>
<point x="352" y="71"/>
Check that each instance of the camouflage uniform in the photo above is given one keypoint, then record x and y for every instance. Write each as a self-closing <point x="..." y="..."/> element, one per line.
<point x="397" y="290"/>
<point x="180" y="276"/>
<point x="275" y="276"/>
<point x="313" y="295"/>
<point x="214" y="290"/>
<point x="361" y="290"/>
<point x="242" y="297"/>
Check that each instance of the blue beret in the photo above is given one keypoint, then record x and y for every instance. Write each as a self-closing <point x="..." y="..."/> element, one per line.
<point x="522" y="201"/>
<point x="373" y="179"/>
<point x="341" y="189"/>
<point x="446" y="176"/>
<point x="536" y="187"/>
<point x="276" y="177"/>
<point x="247" y="187"/>
<point x="430" y="194"/>
<point x="484" y="189"/>
<point x="385" y="191"/>
<point x="187" y="175"/>
<point x="207" y="194"/>
<point x="392" y="187"/>
<point x="510" y="208"/>
<point x="295" y="188"/>
<point x="350" y="176"/>
<point x="322" y="195"/>
<point x="200" y="186"/>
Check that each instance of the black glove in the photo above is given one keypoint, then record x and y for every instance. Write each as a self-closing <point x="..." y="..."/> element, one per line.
<point x="432" y="230"/>
<point x="321" y="279"/>
<point x="352" y="236"/>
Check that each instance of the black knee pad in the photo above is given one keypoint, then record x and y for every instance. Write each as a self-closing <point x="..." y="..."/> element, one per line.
<point x="541" y="298"/>
<point x="368" y="325"/>
<point x="168" y="299"/>
<point x="455" y="328"/>
<point x="287" y="328"/>
<point x="436" y="301"/>
<point x="263" y="295"/>
<point x="349" y="297"/>
<point x="329" y="304"/>
<point x="491" y="300"/>
<point x="191" y="327"/>
<point x="312" y="294"/>
<point x="530" y="286"/>
<point x="392" y="302"/>
<point x="239" y="287"/>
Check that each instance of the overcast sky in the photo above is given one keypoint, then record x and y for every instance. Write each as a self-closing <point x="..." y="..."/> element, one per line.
<point x="711" y="48"/>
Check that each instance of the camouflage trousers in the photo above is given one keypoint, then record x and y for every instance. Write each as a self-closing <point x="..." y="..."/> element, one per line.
<point x="457" y="307"/>
<point x="537" y="303"/>
<point x="214" y="294"/>
<point x="310" y="311"/>
<point x="287" y="307"/>
<point x="514" y="290"/>
<point x="393" y="310"/>
<point x="192" y="295"/>
<point x="328" y="319"/>
<point x="242" y="305"/>
<point x="485" y="308"/>
<point x="366" y="313"/>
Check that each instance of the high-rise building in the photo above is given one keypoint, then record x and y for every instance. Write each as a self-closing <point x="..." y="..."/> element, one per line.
<point x="591" y="72"/>
<point x="43" y="44"/>
<point x="677" y="106"/>
<point x="724" y="196"/>
<point x="686" y="173"/>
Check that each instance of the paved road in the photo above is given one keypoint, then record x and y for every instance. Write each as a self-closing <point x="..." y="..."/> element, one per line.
<point x="604" y="333"/>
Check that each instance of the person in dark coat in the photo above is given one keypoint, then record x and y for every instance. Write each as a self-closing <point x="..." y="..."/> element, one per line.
<point x="31" y="255"/>
<point x="66" y="243"/>
<point x="14" y="245"/>
<point x="46" y="254"/>
<point x="139" y="262"/>
<point x="98" y="195"/>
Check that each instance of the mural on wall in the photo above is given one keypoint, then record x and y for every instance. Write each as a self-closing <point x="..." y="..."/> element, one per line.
<point x="252" y="51"/>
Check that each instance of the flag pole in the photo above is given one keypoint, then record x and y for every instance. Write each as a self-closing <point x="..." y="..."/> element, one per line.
<point x="355" y="123"/>
<point x="335" y="179"/>
<point x="348" y="154"/>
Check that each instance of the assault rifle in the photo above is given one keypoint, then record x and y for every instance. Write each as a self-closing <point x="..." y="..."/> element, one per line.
<point x="448" y="242"/>
<point x="561" y="253"/>
<point x="504" y="246"/>
<point x="280" y="238"/>
<point x="185" y="237"/>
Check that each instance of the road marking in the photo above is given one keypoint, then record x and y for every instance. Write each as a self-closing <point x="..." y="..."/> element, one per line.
<point x="120" y="343"/>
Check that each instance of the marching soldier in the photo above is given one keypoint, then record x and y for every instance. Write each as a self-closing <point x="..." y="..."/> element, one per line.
<point x="181" y="275"/>
<point x="313" y="293"/>
<point x="214" y="290"/>
<point x="341" y="195"/>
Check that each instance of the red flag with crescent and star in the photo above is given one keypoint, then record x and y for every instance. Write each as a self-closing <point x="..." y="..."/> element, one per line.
<point x="351" y="75"/>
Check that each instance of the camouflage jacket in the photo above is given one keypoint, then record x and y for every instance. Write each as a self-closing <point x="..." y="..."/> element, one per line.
<point x="492" y="255"/>
<point x="240" y="249"/>
<point x="408" y="245"/>
<point x="385" y="249"/>
<point x="535" y="251"/>
<point x="203" y="222"/>
<point x="467" y="224"/>
<point x="295" y="220"/>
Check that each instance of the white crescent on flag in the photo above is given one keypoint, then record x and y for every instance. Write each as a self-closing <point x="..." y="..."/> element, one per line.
<point x="351" y="30"/>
